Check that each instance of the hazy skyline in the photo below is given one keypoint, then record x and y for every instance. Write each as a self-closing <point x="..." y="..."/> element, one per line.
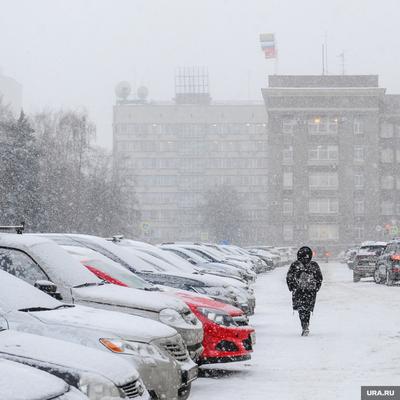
<point x="71" y="53"/>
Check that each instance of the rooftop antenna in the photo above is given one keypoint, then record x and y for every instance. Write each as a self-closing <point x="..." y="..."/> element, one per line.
<point x="326" y="53"/>
<point x="342" y="58"/>
<point x="323" y="59"/>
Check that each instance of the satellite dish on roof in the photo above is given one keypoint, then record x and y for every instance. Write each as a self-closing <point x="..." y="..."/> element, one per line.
<point x="123" y="90"/>
<point x="142" y="93"/>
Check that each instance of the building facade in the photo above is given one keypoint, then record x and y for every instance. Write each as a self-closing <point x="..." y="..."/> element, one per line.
<point x="172" y="153"/>
<point x="325" y="167"/>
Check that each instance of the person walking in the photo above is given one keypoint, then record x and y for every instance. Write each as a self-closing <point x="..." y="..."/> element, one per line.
<point x="304" y="279"/>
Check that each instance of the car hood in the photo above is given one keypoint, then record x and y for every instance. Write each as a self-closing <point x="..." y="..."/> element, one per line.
<point x="70" y="355"/>
<point x="20" y="382"/>
<point x="125" y="326"/>
<point x="203" y="301"/>
<point x="127" y="297"/>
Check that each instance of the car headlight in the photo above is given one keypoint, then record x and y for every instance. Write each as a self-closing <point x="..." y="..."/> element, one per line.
<point x="171" y="317"/>
<point x="217" y="316"/>
<point x="143" y="350"/>
<point x="96" y="387"/>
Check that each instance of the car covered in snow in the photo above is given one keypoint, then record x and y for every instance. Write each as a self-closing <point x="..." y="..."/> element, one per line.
<point x="224" y="340"/>
<point x="154" y="349"/>
<point x="364" y="265"/>
<point x="95" y="373"/>
<point x="161" y="268"/>
<point x="21" y="382"/>
<point x="45" y="261"/>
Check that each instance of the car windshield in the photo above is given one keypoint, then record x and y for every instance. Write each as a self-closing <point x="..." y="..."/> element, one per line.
<point x="16" y="294"/>
<point x="372" y="249"/>
<point x="117" y="272"/>
<point x="62" y="265"/>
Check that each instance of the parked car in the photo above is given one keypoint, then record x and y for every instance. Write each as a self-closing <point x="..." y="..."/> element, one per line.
<point x="46" y="261"/>
<point x="21" y="382"/>
<point x="212" y="255"/>
<point x="388" y="265"/>
<point x="155" y="349"/>
<point x="204" y="265"/>
<point x="364" y="265"/>
<point x="154" y="270"/>
<point x="95" y="373"/>
<point x="223" y="339"/>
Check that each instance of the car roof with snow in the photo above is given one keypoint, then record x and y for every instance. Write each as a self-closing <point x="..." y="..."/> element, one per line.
<point x="52" y="258"/>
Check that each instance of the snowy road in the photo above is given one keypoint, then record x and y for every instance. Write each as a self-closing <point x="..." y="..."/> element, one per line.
<point x="354" y="341"/>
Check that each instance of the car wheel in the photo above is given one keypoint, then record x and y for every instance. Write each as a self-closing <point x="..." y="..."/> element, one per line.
<point x="356" y="277"/>
<point x="184" y="393"/>
<point x="377" y="276"/>
<point x="389" y="280"/>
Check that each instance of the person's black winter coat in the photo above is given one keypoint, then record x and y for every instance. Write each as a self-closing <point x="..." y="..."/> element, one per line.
<point x="303" y="300"/>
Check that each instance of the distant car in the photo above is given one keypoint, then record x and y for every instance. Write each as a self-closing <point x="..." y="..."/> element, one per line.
<point x="388" y="265"/>
<point x="224" y="340"/>
<point x="364" y="264"/>
<point x="21" y="382"/>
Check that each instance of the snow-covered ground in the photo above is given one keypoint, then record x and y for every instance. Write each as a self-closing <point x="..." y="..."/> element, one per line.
<point x="354" y="341"/>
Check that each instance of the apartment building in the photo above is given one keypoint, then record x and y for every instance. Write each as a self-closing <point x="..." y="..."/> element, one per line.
<point x="324" y="161"/>
<point x="173" y="152"/>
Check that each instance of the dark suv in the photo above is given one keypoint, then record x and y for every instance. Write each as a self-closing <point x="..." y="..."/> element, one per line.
<point x="366" y="258"/>
<point x="388" y="265"/>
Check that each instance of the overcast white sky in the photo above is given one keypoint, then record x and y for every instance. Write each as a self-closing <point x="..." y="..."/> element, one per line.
<point x="71" y="53"/>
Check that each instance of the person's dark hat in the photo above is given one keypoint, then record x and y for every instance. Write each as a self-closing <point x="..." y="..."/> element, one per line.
<point x="304" y="254"/>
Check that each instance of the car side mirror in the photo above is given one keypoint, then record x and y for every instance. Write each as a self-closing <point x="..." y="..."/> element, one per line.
<point x="49" y="288"/>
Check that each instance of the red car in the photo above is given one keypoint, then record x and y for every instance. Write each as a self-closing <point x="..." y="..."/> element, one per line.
<point x="227" y="337"/>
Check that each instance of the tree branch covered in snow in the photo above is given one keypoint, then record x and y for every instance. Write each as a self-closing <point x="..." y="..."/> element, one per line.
<point x="56" y="180"/>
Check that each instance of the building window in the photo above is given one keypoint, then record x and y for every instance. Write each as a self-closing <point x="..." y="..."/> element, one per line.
<point x="387" y="208"/>
<point x="387" y="130"/>
<point x="358" y="126"/>
<point x="359" y="155"/>
<point x="323" y="125"/>
<point x="323" y="153"/>
<point x="323" y="232"/>
<point x="358" y="181"/>
<point x="387" y="155"/>
<point x="323" y="180"/>
<point x="288" y="180"/>
<point x="287" y="232"/>
<point x="387" y="182"/>
<point x="288" y="125"/>
<point x="323" y="206"/>
<point x="287" y="207"/>
<point x="359" y="207"/>
<point x="287" y="155"/>
<point x="359" y="232"/>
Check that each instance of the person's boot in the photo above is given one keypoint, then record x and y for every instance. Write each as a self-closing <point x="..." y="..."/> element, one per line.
<point x="306" y="330"/>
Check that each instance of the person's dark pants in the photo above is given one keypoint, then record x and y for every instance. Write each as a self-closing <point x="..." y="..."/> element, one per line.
<point x="304" y="318"/>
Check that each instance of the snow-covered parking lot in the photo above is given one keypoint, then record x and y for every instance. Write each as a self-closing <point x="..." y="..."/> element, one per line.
<point x="354" y="341"/>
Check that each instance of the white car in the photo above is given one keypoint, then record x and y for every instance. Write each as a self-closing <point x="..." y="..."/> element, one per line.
<point x="95" y="373"/>
<point x="20" y="382"/>
<point x="155" y="349"/>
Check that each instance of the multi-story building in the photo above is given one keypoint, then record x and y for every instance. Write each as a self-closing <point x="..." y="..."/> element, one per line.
<point x="325" y="167"/>
<point x="173" y="152"/>
<point x="389" y="168"/>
